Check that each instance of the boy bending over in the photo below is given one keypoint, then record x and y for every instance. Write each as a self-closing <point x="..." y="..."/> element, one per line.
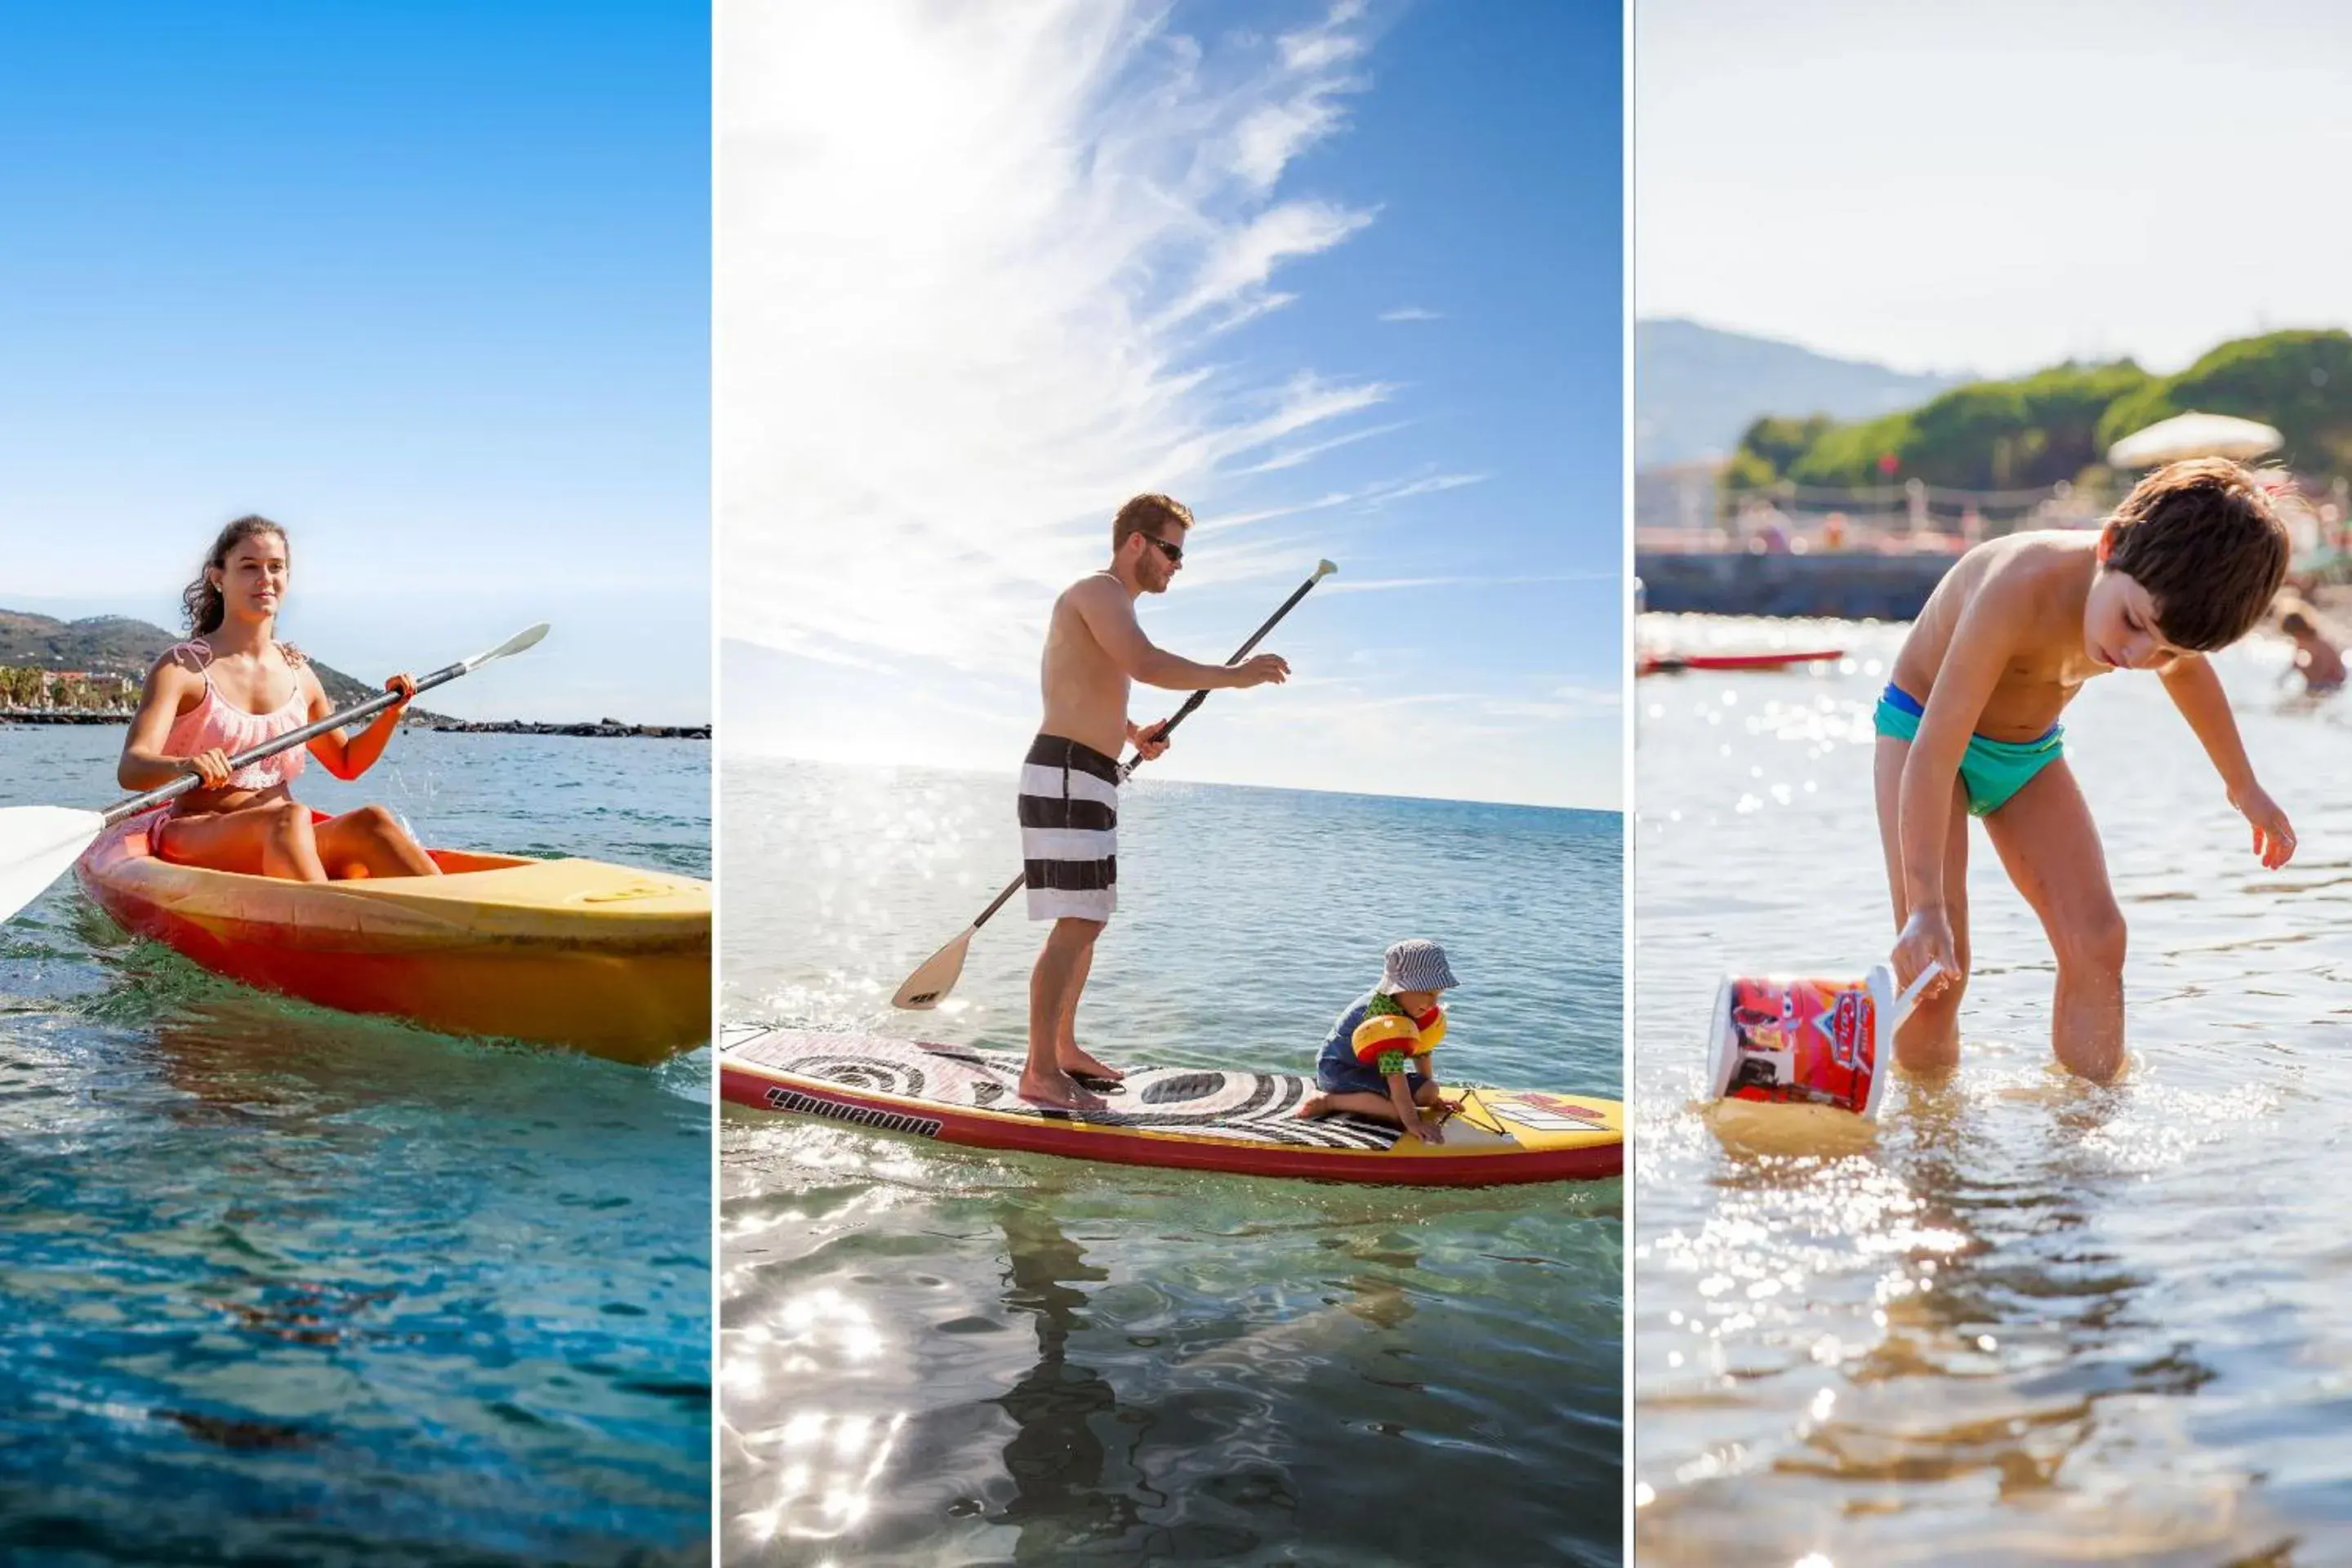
<point x="1968" y="725"/>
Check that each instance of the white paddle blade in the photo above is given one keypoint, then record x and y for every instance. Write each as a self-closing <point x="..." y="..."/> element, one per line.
<point x="937" y="977"/>
<point x="36" y="844"/>
<point x="515" y="643"/>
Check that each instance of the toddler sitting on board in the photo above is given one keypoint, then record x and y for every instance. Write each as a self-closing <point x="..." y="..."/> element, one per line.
<point x="1376" y="1061"/>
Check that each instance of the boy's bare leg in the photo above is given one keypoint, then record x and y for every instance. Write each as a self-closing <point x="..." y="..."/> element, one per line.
<point x="1054" y="985"/>
<point x="1067" y="1051"/>
<point x="2050" y="849"/>
<point x="1361" y="1104"/>
<point x="1929" y="1040"/>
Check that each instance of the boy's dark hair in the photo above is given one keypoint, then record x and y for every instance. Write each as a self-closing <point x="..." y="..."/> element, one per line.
<point x="1146" y="512"/>
<point x="2296" y="624"/>
<point x="2204" y="538"/>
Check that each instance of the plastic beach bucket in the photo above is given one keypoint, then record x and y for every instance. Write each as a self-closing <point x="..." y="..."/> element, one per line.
<point x="1780" y="1039"/>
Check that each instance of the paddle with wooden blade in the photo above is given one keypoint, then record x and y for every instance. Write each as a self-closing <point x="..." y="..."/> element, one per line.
<point x="38" y="842"/>
<point x="923" y="989"/>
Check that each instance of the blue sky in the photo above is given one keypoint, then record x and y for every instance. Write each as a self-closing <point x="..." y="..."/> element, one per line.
<point x="1346" y="279"/>
<point x="428" y="283"/>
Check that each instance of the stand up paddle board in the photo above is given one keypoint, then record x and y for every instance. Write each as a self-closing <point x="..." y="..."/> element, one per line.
<point x="1195" y="1118"/>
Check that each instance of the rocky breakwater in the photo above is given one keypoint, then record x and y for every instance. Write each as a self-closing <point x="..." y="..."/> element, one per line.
<point x="1855" y="585"/>
<point x="64" y="716"/>
<point x="603" y="728"/>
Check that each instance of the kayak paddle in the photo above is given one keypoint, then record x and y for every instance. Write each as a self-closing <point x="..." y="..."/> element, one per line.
<point x="38" y="842"/>
<point x="937" y="977"/>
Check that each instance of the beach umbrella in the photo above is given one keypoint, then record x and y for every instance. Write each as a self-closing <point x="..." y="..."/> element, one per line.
<point x="2193" y="434"/>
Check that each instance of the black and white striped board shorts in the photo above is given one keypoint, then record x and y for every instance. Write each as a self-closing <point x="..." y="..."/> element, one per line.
<point x="1069" y="830"/>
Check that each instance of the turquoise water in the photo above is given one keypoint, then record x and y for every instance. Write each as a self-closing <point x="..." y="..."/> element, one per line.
<point x="2031" y="1320"/>
<point x="936" y="1355"/>
<point x="288" y="1285"/>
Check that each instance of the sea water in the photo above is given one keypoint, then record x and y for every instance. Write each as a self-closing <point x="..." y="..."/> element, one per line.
<point x="285" y="1284"/>
<point x="940" y="1355"/>
<point x="2033" y="1320"/>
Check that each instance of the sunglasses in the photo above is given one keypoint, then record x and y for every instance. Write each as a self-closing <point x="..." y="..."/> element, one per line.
<point x="1175" y="553"/>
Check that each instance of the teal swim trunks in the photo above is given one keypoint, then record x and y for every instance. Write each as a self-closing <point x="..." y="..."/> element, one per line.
<point x="1991" y="771"/>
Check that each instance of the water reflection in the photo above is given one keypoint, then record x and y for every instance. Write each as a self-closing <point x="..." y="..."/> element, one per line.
<point x="1062" y="1409"/>
<point x="825" y="1466"/>
<point x="1104" y="1365"/>
<point x="2025" y="1320"/>
<point x="961" y="1358"/>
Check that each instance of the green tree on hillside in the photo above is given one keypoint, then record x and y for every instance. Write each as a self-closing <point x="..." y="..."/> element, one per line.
<point x="2057" y="424"/>
<point x="1987" y="436"/>
<point x="2300" y="381"/>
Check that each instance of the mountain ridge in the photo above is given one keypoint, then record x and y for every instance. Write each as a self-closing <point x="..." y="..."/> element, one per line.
<point x="1696" y="388"/>
<point x="127" y="646"/>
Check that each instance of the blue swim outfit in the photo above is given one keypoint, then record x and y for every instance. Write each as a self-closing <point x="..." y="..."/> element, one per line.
<point x="1337" y="1070"/>
<point x="1991" y="771"/>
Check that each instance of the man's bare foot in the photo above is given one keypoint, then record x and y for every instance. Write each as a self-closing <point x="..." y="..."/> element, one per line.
<point x="1313" y="1106"/>
<point x="1056" y="1090"/>
<point x="1074" y="1060"/>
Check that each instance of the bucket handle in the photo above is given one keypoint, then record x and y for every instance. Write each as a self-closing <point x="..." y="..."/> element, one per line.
<point x="1910" y="997"/>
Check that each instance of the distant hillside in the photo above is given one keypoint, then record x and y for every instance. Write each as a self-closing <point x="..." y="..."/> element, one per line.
<point x="2033" y="431"/>
<point x="118" y="645"/>
<point x="1696" y="388"/>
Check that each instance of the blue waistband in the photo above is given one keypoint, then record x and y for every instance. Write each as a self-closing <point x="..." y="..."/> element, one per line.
<point x="1895" y="696"/>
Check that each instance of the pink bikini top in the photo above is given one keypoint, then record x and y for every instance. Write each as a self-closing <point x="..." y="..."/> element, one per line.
<point x="218" y="722"/>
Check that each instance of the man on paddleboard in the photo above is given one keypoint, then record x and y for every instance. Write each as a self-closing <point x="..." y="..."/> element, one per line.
<point x="1095" y="651"/>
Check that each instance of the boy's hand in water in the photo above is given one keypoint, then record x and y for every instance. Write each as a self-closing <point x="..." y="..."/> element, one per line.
<point x="2274" y="835"/>
<point x="1926" y="939"/>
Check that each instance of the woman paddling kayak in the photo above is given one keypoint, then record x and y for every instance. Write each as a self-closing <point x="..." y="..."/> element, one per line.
<point x="231" y="685"/>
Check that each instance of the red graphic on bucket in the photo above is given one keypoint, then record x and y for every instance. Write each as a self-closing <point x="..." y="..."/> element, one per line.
<point x="1807" y="1040"/>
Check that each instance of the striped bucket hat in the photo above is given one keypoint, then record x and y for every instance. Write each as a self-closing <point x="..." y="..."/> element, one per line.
<point x="1415" y="965"/>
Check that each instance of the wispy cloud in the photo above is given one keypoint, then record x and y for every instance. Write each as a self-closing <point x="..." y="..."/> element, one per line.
<point x="1292" y="457"/>
<point x="970" y="259"/>
<point x="1366" y="498"/>
<point x="1429" y="485"/>
<point x="982" y="272"/>
<point x="1394" y="584"/>
<point x="1411" y="313"/>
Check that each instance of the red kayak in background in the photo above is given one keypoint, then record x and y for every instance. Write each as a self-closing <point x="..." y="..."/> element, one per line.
<point x="1675" y="663"/>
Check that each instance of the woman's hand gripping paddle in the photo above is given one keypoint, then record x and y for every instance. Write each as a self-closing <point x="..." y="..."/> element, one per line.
<point x="924" y="989"/>
<point x="38" y="842"/>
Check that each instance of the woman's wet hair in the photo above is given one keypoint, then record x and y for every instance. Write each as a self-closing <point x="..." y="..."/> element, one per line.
<point x="201" y="603"/>
<point x="2205" y="539"/>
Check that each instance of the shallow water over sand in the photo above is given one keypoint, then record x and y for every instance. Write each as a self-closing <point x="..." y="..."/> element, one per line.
<point x="2033" y="1320"/>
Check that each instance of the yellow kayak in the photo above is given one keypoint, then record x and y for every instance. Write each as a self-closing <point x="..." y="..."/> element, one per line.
<point x="605" y="959"/>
